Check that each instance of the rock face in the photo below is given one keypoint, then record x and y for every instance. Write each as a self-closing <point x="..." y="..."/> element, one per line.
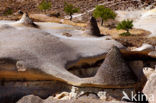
<point x="34" y="51"/>
<point x="150" y="89"/>
<point x="26" y="21"/>
<point x="114" y="72"/>
<point x="92" y="28"/>
<point x="152" y="54"/>
<point x="144" y="47"/>
<point x="35" y="99"/>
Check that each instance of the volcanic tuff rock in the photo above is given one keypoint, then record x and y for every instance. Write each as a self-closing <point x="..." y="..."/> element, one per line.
<point x="152" y="54"/>
<point x="92" y="28"/>
<point x="31" y="98"/>
<point x="40" y="53"/>
<point x="114" y="72"/>
<point x="150" y="88"/>
<point x="26" y="21"/>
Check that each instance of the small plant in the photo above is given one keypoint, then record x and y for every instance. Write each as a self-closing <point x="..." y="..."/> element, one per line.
<point x="8" y="11"/>
<point x="104" y="13"/>
<point x="70" y="9"/>
<point x="44" y="5"/>
<point x="125" y="25"/>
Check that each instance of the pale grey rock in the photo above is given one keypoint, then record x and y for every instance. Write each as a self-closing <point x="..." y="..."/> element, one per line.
<point x="45" y="53"/>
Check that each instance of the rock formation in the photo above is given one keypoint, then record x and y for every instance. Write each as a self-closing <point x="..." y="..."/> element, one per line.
<point x="150" y="89"/>
<point x="114" y="72"/>
<point x="26" y="21"/>
<point x="36" y="99"/>
<point x="92" y="28"/>
<point x="152" y="54"/>
<point x="144" y="47"/>
<point x="37" y="51"/>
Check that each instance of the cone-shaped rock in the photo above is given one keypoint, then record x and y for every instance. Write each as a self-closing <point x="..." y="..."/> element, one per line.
<point x="114" y="72"/>
<point x="25" y="20"/>
<point x="92" y="28"/>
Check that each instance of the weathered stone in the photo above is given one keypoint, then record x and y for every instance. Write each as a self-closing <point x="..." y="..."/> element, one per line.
<point x="67" y="34"/>
<point x="144" y="47"/>
<point x="26" y="21"/>
<point x="92" y="28"/>
<point x="150" y="89"/>
<point x="30" y="99"/>
<point x="137" y="67"/>
<point x="114" y="72"/>
<point x="152" y="54"/>
<point x="45" y="56"/>
<point x="148" y="71"/>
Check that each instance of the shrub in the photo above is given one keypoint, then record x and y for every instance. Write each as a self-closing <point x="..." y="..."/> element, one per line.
<point x="44" y="5"/>
<point x="125" y="25"/>
<point x="125" y="34"/>
<point x="104" y="13"/>
<point x="70" y="9"/>
<point x="8" y="11"/>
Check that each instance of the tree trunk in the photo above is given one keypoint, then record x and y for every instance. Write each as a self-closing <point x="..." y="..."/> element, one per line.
<point x="127" y="31"/>
<point x="102" y="22"/>
<point x="71" y="17"/>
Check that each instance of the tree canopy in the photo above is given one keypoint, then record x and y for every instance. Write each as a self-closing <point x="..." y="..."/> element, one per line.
<point x="70" y="9"/>
<point x="44" y="5"/>
<point x="125" y="25"/>
<point x="104" y="13"/>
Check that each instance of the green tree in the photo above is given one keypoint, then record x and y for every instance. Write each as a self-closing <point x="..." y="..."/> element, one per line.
<point x="104" y="13"/>
<point x="44" y="5"/>
<point x="70" y="10"/>
<point x="125" y="25"/>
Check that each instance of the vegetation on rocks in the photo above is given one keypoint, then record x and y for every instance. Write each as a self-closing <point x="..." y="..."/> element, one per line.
<point x="104" y="13"/>
<point x="70" y="9"/>
<point x="8" y="11"/>
<point x="125" y="25"/>
<point x="44" y="5"/>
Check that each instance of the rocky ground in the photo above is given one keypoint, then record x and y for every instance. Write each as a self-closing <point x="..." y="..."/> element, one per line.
<point x="90" y="74"/>
<point x="58" y="5"/>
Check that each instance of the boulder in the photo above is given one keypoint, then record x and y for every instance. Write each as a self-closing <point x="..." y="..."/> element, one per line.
<point x="150" y="89"/>
<point x="43" y="56"/>
<point x="152" y="54"/>
<point x="26" y="21"/>
<point x="144" y="47"/>
<point x="30" y="99"/>
<point x="92" y="28"/>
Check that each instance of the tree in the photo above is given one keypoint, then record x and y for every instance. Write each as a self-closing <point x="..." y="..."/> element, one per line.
<point x="104" y="13"/>
<point x="125" y="25"/>
<point x="70" y="9"/>
<point x="44" y="5"/>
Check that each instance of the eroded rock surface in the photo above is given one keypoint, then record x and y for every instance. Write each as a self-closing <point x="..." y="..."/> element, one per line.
<point x="92" y="28"/>
<point x="26" y="21"/>
<point x="114" y="72"/>
<point x="30" y="99"/>
<point x="150" y="89"/>
<point x="41" y="52"/>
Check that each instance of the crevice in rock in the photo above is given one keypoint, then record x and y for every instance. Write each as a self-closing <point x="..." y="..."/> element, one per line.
<point x="86" y="69"/>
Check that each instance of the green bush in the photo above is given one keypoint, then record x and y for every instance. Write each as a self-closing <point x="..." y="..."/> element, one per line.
<point x="125" y="34"/>
<point x="70" y="9"/>
<point x="44" y="5"/>
<point x="104" y="13"/>
<point x="125" y="25"/>
<point x="8" y="11"/>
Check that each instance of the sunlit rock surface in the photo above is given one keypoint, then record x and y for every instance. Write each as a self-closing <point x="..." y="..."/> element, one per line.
<point x="31" y="98"/>
<point x="40" y="51"/>
<point x="150" y="88"/>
